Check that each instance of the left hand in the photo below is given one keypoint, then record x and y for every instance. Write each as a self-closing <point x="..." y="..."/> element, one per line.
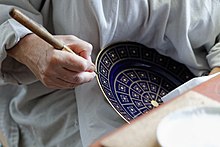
<point x="214" y="70"/>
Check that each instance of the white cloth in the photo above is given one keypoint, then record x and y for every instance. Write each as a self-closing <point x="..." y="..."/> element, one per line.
<point x="186" y="30"/>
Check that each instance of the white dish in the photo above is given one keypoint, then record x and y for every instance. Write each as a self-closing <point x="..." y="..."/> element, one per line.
<point x="190" y="127"/>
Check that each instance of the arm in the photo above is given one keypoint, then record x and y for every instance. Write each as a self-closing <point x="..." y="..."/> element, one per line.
<point x="11" y="33"/>
<point x="41" y="59"/>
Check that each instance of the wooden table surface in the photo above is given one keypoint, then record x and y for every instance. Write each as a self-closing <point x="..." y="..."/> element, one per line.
<point x="141" y="132"/>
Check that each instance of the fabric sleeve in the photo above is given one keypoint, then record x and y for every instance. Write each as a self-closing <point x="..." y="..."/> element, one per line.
<point x="12" y="71"/>
<point x="213" y="56"/>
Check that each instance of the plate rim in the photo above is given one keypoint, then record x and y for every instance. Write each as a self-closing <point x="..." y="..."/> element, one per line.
<point x="97" y="77"/>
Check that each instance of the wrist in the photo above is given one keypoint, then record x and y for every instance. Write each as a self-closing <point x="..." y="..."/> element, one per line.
<point x="20" y="50"/>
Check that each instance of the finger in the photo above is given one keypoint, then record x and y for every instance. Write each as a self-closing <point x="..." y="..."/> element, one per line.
<point x="57" y="83"/>
<point x="84" y="50"/>
<point x="67" y="75"/>
<point x="79" y="46"/>
<point x="68" y="85"/>
<point x="90" y="59"/>
<point x="79" y="78"/>
<point x="75" y="63"/>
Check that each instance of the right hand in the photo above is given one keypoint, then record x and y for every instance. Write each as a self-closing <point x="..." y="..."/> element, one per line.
<point x="56" y="68"/>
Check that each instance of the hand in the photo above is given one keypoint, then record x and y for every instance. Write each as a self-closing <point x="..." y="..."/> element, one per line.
<point x="56" y="68"/>
<point x="214" y="70"/>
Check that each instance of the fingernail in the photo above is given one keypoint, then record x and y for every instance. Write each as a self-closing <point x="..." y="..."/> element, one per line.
<point x="91" y="68"/>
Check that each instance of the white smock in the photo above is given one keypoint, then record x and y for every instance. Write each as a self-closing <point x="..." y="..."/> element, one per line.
<point x="33" y="115"/>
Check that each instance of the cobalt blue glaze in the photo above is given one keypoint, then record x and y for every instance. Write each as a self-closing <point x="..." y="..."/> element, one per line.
<point x="134" y="78"/>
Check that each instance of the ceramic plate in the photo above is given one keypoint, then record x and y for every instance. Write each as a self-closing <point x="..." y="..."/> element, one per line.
<point x="134" y="78"/>
<point x="190" y="127"/>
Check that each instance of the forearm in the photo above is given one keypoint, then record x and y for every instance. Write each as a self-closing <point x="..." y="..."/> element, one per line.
<point x="23" y="49"/>
<point x="11" y="34"/>
<point x="54" y="68"/>
<point x="9" y="37"/>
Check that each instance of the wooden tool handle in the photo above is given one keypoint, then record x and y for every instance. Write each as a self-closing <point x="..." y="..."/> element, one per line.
<point x="37" y="29"/>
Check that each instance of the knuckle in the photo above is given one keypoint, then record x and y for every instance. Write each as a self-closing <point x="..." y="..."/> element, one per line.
<point x="45" y="77"/>
<point x="72" y="85"/>
<point x="78" y="79"/>
<point x="53" y="60"/>
<point x="44" y="80"/>
<point x="71" y="38"/>
<point x="89" y="46"/>
<point x="46" y="73"/>
<point x="50" y="86"/>
<point x="82" y="66"/>
<point x="48" y="83"/>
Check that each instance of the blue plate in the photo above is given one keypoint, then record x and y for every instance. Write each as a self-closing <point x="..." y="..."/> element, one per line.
<point x="134" y="78"/>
